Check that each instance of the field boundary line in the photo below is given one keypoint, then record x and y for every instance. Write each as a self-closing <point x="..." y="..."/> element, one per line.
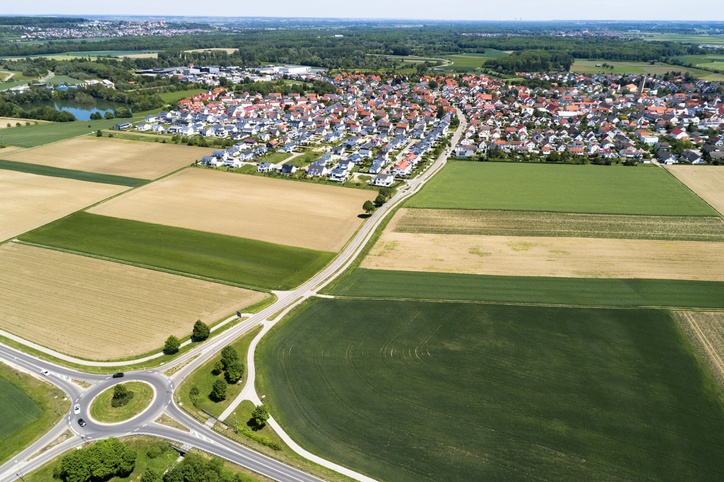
<point x="709" y="349"/>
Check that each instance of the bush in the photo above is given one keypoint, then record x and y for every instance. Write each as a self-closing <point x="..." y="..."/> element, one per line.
<point x="121" y="396"/>
<point x="201" y="331"/>
<point x="172" y="345"/>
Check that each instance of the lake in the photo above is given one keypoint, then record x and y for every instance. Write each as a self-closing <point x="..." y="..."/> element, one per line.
<point x="80" y="111"/>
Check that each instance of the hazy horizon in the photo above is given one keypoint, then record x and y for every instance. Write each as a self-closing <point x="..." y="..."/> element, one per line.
<point x="427" y="10"/>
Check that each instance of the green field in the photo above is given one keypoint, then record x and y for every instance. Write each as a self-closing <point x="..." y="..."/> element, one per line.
<point x="451" y="391"/>
<point x="17" y="408"/>
<point x="63" y="79"/>
<point x="585" y="66"/>
<point x="559" y="188"/>
<point x="520" y="289"/>
<point x="473" y="61"/>
<point x="174" y="97"/>
<point x="71" y="174"/>
<point x="45" y="133"/>
<point x="239" y="261"/>
<point x="686" y="38"/>
<point x="28" y="409"/>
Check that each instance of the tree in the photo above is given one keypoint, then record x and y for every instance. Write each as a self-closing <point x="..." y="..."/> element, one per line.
<point x="380" y="199"/>
<point x="259" y="416"/>
<point x="218" y="391"/>
<point x="108" y="115"/>
<point x="218" y="368"/>
<point x="369" y="207"/>
<point x="150" y="475"/>
<point x="121" y="395"/>
<point x="172" y="345"/>
<point x="99" y="133"/>
<point x="100" y="461"/>
<point x="229" y="355"/>
<point x="234" y="371"/>
<point x="201" y="331"/>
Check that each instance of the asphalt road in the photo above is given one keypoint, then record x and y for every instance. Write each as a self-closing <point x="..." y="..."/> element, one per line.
<point x="199" y="436"/>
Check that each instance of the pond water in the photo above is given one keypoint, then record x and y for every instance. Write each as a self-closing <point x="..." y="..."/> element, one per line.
<point x="80" y="111"/>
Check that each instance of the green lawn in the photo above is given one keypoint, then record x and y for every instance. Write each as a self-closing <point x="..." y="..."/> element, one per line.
<point x="276" y="157"/>
<point x="559" y="188"/>
<point x="474" y="61"/>
<point x="519" y="289"/>
<point x="459" y="391"/>
<point x="71" y="174"/>
<point x="103" y="411"/>
<point x="239" y="261"/>
<point x="204" y="379"/>
<point x="37" y="135"/>
<point x="29" y="408"/>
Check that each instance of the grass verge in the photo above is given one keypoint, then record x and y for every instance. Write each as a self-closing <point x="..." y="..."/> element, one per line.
<point x="203" y="379"/>
<point x="102" y="410"/>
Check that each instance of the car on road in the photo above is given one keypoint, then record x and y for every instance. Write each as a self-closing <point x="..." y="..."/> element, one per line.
<point x="44" y="372"/>
<point x="118" y="375"/>
<point x="76" y="408"/>
<point x="81" y="422"/>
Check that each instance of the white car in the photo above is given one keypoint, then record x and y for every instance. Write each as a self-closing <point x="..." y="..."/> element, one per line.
<point x="44" y="372"/>
<point x="76" y="408"/>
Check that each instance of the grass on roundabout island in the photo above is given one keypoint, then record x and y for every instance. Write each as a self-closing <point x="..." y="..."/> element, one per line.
<point x="102" y="411"/>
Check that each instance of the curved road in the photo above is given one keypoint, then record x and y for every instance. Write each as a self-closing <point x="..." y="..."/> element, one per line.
<point x="199" y="436"/>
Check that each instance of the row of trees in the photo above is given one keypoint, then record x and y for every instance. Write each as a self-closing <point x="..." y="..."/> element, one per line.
<point x="200" y="332"/>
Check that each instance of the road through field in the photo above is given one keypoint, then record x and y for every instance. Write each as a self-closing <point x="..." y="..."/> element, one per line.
<point x="200" y="435"/>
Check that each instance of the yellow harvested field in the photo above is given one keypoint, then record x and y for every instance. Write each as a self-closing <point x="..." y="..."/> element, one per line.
<point x="145" y="160"/>
<point x="6" y="122"/>
<point x="273" y="210"/>
<point x="28" y="201"/>
<point x="102" y="310"/>
<point x="706" y="332"/>
<point x="706" y="181"/>
<point x="548" y="256"/>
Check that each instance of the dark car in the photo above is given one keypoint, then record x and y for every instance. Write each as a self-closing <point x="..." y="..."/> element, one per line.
<point x="118" y="375"/>
<point x="81" y="422"/>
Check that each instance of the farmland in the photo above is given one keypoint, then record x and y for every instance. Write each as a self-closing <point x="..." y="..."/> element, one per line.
<point x="548" y="256"/>
<point x="527" y="223"/>
<point x="112" y="156"/>
<point x="534" y="290"/>
<point x="706" y="181"/>
<point x="270" y="210"/>
<point x="30" y="201"/>
<point x="9" y="122"/>
<point x="559" y="188"/>
<point x="443" y="391"/>
<point x="238" y="261"/>
<point x="105" y="301"/>
<point x="584" y="66"/>
<point x="45" y="133"/>
<point x="28" y="408"/>
<point x="706" y="332"/>
<point x="70" y="174"/>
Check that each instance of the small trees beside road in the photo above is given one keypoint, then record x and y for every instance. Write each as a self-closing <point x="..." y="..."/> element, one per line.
<point x="172" y="345"/>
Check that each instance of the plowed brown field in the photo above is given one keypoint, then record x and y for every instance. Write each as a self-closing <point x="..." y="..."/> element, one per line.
<point x="273" y="210"/>
<point x="144" y="160"/>
<point x="28" y="201"/>
<point x="548" y="256"/>
<point x="101" y="310"/>
<point x="706" y="181"/>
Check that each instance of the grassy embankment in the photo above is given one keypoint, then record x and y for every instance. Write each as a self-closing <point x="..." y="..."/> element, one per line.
<point x="71" y="174"/>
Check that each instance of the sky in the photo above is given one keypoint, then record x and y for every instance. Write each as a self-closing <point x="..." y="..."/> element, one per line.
<point x="405" y="9"/>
